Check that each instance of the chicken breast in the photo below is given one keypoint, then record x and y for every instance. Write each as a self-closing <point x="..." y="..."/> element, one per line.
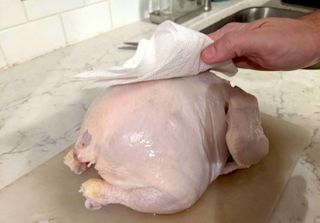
<point x="157" y="145"/>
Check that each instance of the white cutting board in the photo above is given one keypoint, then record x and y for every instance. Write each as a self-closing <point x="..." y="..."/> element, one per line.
<point x="49" y="194"/>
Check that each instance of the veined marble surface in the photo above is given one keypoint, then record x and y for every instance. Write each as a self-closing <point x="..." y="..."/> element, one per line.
<point x="41" y="107"/>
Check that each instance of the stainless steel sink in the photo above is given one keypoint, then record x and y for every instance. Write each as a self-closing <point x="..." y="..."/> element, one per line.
<point x="252" y="14"/>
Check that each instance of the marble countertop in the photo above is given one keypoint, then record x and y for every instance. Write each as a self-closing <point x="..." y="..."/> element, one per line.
<point x="41" y="107"/>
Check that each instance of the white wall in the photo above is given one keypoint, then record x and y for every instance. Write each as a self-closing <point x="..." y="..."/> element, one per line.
<point x="31" y="28"/>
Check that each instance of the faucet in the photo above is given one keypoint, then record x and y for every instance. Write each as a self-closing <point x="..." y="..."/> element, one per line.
<point x="177" y="10"/>
<point x="207" y="5"/>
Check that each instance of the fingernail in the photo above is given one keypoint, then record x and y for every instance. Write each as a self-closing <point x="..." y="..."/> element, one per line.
<point x="208" y="55"/>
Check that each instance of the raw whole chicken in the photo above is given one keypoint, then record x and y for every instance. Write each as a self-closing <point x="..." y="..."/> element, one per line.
<point x="157" y="145"/>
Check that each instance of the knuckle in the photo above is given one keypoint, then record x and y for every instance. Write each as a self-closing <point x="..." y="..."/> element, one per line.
<point x="229" y="41"/>
<point x="232" y="25"/>
<point x="233" y="43"/>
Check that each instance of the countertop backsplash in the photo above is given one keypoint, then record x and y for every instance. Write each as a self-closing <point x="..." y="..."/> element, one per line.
<point x="31" y="28"/>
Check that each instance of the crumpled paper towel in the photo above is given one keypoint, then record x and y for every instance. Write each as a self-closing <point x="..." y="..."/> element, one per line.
<point x="173" y="51"/>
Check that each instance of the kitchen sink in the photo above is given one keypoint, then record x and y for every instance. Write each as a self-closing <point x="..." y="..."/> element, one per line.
<point x="252" y="14"/>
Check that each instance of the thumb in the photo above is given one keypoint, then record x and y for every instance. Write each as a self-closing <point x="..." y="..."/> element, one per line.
<point x="225" y="48"/>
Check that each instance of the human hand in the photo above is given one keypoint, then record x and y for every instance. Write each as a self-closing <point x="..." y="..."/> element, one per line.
<point x="267" y="44"/>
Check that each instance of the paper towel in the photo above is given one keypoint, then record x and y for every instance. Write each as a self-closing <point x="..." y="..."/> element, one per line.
<point x="172" y="51"/>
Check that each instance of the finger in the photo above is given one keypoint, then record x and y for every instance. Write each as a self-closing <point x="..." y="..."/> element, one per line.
<point x="234" y="44"/>
<point x="227" y="47"/>
<point x="233" y="26"/>
<point x="244" y="62"/>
